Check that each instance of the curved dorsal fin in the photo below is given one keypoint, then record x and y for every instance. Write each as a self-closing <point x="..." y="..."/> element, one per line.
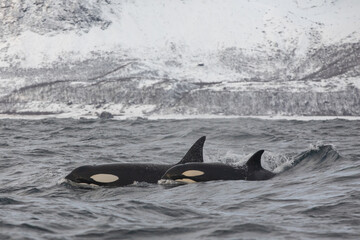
<point x="254" y="163"/>
<point x="195" y="153"/>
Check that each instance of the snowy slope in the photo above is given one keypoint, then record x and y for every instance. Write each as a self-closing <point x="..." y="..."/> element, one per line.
<point x="170" y="57"/>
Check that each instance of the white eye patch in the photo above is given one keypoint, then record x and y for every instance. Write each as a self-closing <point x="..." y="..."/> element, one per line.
<point x="192" y="173"/>
<point x="104" y="178"/>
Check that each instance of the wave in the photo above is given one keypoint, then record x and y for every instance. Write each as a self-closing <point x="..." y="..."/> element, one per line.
<point x="8" y="201"/>
<point x="319" y="158"/>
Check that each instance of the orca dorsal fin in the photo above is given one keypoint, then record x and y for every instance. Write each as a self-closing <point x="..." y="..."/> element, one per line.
<point x="254" y="163"/>
<point x="195" y="153"/>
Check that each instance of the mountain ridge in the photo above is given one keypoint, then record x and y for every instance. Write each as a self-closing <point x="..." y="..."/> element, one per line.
<point x="179" y="49"/>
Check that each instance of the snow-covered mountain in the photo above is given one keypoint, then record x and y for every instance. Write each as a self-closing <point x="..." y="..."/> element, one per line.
<point x="145" y="58"/>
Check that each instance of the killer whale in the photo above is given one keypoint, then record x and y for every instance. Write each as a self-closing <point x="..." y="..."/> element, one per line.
<point x="201" y="172"/>
<point x="115" y="175"/>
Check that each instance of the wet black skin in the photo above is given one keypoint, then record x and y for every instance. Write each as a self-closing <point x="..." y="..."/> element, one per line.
<point x="128" y="173"/>
<point x="218" y="171"/>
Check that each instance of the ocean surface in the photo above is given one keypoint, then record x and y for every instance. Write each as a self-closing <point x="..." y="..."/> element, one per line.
<point x="315" y="194"/>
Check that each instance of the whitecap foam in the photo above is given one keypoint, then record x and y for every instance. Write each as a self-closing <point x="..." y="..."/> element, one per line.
<point x="168" y="182"/>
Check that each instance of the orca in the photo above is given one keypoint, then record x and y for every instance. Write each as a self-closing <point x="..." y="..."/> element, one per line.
<point x="121" y="174"/>
<point x="201" y="172"/>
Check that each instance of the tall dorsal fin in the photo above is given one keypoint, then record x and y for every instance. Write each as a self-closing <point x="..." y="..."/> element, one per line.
<point x="195" y="153"/>
<point x="254" y="163"/>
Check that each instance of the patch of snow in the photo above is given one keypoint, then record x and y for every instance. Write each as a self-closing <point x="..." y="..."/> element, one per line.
<point x="160" y="30"/>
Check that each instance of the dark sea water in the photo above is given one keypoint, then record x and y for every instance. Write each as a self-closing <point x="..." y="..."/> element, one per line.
<point x="315" y="195"/>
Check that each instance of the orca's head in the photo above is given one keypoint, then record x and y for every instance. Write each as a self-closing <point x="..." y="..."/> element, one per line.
<point x="88" y="175"/>
<point x="81" y="175"/>
<point x="186" y="173"/>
